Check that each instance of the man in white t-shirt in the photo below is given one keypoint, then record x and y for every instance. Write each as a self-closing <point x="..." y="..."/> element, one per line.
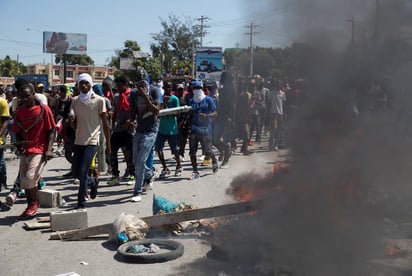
<point x="39" y="95"/>
<point x="90" y="113"/>
<point x="276" y="99"/>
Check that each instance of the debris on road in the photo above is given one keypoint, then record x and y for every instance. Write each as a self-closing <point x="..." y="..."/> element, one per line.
<point x="164" y="219"/>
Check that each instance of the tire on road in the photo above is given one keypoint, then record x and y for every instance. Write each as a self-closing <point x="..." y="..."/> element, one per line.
<point x="174" y="250"/>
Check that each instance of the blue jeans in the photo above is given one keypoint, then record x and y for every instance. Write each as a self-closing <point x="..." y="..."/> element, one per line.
<point x="142" y="146"/>
<point x="82" y="159"/>
<point x="150" y="164"/>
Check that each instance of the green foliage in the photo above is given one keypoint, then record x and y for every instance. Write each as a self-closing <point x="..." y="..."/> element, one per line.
<point x="175" y="43"/>
<point x="75" y="59"/>
<point x="127" y="52"/>
<point x="294" y="62"/>
<point x="151" y="65"/>
<point x="11" y="68"/>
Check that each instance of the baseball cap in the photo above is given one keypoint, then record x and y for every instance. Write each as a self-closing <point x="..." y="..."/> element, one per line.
<point x="40" y="84"/>
<point x="196" y="83"/>
<point x="180" y="85"/>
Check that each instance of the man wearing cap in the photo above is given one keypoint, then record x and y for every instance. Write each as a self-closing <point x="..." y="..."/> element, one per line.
<point x="144" y="109"/>
<point x="40" y="96"/>
<point x="203" y="108"/>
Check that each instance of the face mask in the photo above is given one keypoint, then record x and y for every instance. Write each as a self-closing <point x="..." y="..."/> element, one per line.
<point x="85" y="97"/>
<point x="198" y="95"/>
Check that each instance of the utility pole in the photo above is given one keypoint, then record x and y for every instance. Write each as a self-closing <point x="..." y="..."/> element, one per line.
<point x="193" y="57"/>
<point x="251" y="33"/>
<point x="237" y="45"/>
<point x="202" y="19"/>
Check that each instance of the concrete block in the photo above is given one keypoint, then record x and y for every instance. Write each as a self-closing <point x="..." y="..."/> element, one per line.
<point x="49" y="198"/>
<point x="68" y="220"/>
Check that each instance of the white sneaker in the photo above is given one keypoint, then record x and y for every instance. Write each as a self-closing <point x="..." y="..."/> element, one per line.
<point x="136" y="199"/>
<point x="149" y="182"/>
<point x="178" y="171"/>
<point x="165" y="173"/>
<point x="195" y="175"/>
<point x="224" y="165"/>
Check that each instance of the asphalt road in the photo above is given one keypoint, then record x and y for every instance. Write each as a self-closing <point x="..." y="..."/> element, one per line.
<point x="32" y="253"/>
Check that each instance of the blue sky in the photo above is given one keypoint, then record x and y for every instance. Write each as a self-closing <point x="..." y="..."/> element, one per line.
<point x="109" y="23"/>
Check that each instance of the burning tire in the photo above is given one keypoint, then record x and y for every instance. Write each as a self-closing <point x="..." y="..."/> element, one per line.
<point x="168" y="250"/>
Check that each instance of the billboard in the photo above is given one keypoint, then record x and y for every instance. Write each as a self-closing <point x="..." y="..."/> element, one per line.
<point x="209" y="63"/>
<point x="127" y="64"/>
<point x="64" y="43"/>
<point x="43" y="78"/>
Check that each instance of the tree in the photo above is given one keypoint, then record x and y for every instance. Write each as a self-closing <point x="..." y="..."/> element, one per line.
<point x="175" y="43"/>
<point x="75" y="59"/>
<point x="151" y="65"/>
<point x="10" y="68"/>
<point x="232" y="56"/>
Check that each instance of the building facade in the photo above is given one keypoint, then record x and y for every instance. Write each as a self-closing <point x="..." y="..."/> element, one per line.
<point x="55" y="72"/>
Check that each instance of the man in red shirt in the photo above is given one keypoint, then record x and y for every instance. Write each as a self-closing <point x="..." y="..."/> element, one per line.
<point x="34" y="127"/>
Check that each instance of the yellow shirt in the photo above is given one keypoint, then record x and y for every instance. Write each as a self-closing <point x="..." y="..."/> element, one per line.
<point x="4" y="112"/>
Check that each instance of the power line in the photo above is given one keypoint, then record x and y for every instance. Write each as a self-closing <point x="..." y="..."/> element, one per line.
<point x="258" y="15"/>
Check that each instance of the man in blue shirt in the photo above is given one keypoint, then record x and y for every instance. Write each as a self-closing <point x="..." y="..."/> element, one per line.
<point x="203" y="108"/>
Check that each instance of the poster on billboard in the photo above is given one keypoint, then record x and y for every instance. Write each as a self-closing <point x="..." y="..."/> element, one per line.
<point x="64" y="43"/>
<point x="209" y="63"/>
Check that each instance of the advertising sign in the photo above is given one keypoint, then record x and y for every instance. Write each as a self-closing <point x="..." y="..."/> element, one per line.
<point x="209" y="63"/>
<point x="127" y="64"/>
<point x="64" y="43"/>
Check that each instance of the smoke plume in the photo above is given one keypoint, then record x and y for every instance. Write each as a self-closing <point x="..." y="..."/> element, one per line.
<point x="349" y="144"/>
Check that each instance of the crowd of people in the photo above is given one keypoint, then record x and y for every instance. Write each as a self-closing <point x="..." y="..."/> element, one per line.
<point x="95" y="123"/>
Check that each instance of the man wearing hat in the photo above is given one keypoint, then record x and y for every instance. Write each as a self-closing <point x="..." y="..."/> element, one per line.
<point x="40" y="96"/>
<point x="144" y="108"/>
<point x="203" y="108"/>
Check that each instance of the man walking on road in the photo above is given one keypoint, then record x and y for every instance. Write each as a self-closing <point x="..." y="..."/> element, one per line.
<point x="89" y="110"/>
<point x="34" y="124"/>
<point x="168" y="131"/>
<point x="276" y="99"/>
<point x="122" y="136"/>
<point x="203" y="108"/>
<point x="145" y="106"/>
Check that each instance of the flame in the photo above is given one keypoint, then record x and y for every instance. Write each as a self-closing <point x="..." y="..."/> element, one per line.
<point x="244" y="195"/>
<point x="254" y="188"/>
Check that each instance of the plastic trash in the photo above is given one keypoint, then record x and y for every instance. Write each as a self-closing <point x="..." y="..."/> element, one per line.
<point x="122" y="238"/>
<point x="161" y="203"/>
<point x="138" y="248"/>
<point x="154" y="248"/>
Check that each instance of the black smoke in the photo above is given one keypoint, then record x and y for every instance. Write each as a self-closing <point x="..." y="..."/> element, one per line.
<point x="350" y="147"/>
